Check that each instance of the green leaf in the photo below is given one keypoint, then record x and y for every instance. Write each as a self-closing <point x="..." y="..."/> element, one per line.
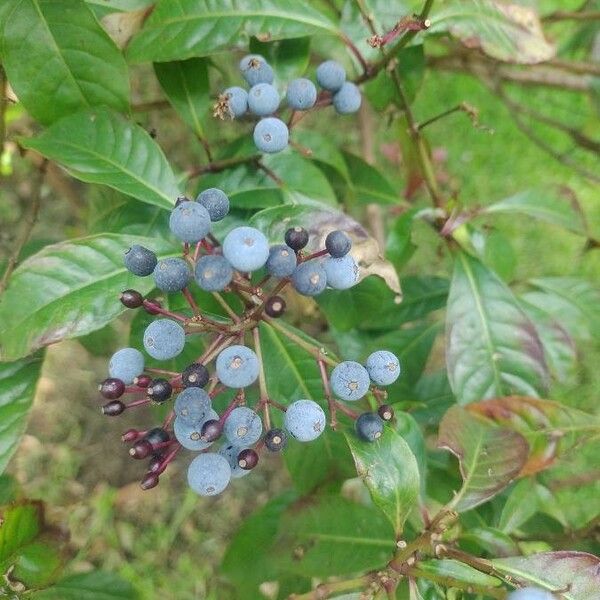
<point x="322" y="150"/>
<point x="435" y="397"/>
<point x="367" y="183"/>
<point x="550" y="205"/>
<point x="186" y="85"/>
<point x="322" y="537"/>
<point x="246" y="562"/>
<point x="410" y="68"/>
<point x="490" y="457"/>
<point x="110" y="210"/>
<point x="289" y="58"/>
<point x="576" y="575"/>
<point x="179" y="29"/>
<point x="95" y="585"/>
<point x="292" y="374"/>
<point x="411" y="433"/>
<point x="505" y="31"/>
<point x="390" y="471"/>
<point x="20" y="524"/>
<point x="574" y="302"/>
<point x="103" y="147"/>
<point x="492" y="347"/>
<point x="457" y="571"/>
<point x="72" y="288"/>
<point x="36" y="566"/>
<point x="493" y="541"/>
<point x="104" y="7"/>
<point x="519" y="507"/>
<point x="71" y="63"/>
<point x="18" y="382"/>
<point x="399" y="246"/>
<point x="371" y="305"/>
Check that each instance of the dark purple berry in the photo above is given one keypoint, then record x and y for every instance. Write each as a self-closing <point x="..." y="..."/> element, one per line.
<point x="112" y="388"/>
<point x="157" y="436"/>
<point x="369" y="426"/>
<point x="211" y="430"/>
<point x="150" y="480"/>
<point x="194" y="375"/>
<point x="151" y="305"/>
<point x="130" y="436"/>
<point x="142" y="381"/>
<point x="386" y="412"/>
<point x="247" y="459"/>
<point x="275" y="440"/>
<point x="296" y="238"/>
<point x="114" y="408"/>
<point x="141" y="449"/>
<point x="155" y="464"/>
<point x="131" y="299"/>
<point x="338" y="243"/>
<point x="275" y="306"/>
<point x="159" y="390"/>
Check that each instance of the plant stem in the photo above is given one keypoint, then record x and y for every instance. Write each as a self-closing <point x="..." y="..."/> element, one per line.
<point x="163" y="311"/>
<point x="221" y="165"/>
<point x="29" y="222"/>
<point x="190" y="300"/>
<point x="325" y="590"/>
<point x="316" y="351"/>
<point x="262" y="381"/>
<point x="457" y="583"/>
<point x="328" y="397"/>
<point x="226" y="307"/>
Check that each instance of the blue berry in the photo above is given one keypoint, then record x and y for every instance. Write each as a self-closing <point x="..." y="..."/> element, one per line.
<point x="338" y="243"/>
<point x="383" y="367"/>
<point x="255" y="69"/>
<point x="530" y="593"/>
<point x="271" y="135"/>
<point x="230" y="452"/>
<point x="309" y="278"/>
<point x="282" y="261"/>
<point x="331" y="75"/>
<point x="350" y="381"/>
<point x="237" y="366"/>
<point x="342" y="273"/>
<point x="237" y="101"/>
<point x="126" y="364"/>
<point x="305" y="420"/>
<point x="213" y="273"/>
<point x="209" y="474"/>
<point x="243" y="426"/>
<point x="263" y="99"/>
<point x="189" y="435"/>
<point x="140" y="261"/>
<point x="216" y="203"/>
<point x="369" y="426"/>
<point x="246" y="249"/>
<point x="189" y="221"/>
<point x="171" y="274"/>
<point x="164" y="339"/>
<point x="301" y="94"/>
<point x="347" y="100"/>
<point x="192" y="405"/>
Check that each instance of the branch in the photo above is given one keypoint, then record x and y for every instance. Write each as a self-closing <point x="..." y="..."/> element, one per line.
<point x="566" y="15"/>
<point x="29" y="222"/>
<point x="221" y="165"/>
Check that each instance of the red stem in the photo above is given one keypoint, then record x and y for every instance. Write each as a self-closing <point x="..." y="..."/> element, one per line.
<point x="162" y="311"/>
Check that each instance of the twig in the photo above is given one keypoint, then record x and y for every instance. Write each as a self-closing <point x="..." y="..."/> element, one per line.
<point x="328" y="396"/>
<point x="221" y="165"/>
<point x="324" y="590"/>
<point x="226" y="307"/>
<point x="29" y="222"/>
<point x="262" y="381"/>
<point x="271" y="174"/>
<point x="469" y="110"/>
<point x="566" y="15"/>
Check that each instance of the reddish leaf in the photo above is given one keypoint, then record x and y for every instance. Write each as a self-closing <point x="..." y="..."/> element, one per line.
<point x="549" y="426"/>
<point x="490" y="457"/>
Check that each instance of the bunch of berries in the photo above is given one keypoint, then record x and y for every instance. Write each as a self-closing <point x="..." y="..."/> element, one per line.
<point x="271" y="134"/>
<point x="257" y="273"/>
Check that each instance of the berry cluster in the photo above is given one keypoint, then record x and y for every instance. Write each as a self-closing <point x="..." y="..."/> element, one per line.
<point x="248" y="266"/>
<point x="271" y="134"/>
